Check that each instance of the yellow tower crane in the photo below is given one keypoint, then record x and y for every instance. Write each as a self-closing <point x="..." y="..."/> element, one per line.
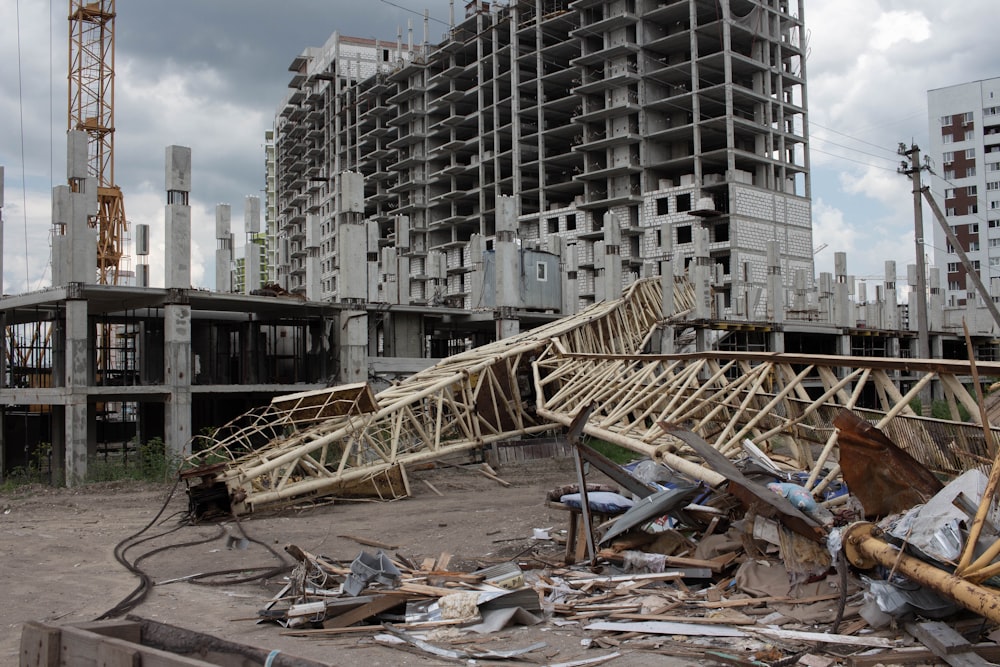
<point x="92" y="110"/>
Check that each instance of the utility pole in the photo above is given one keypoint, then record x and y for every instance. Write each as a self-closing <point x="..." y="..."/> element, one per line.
<point x="913" y="170"/>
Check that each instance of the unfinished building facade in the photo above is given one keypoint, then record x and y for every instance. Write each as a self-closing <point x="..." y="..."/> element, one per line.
<point x="625" y="132"/>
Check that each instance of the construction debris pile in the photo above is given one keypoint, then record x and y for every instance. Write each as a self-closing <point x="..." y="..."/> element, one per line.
<point x="751" y="572"/>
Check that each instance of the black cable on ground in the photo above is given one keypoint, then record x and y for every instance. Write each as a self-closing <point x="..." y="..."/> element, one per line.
<point x="146" y="583"/>
<point x="140" y="592"/>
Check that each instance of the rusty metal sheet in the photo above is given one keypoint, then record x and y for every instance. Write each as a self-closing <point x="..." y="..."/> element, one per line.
<point x="883" y="477"/>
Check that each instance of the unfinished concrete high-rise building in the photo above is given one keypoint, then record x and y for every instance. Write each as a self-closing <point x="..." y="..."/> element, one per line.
<point x="611" y="124"/>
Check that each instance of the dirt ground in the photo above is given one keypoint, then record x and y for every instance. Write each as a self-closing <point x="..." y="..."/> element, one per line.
<point x="56" y="546"/>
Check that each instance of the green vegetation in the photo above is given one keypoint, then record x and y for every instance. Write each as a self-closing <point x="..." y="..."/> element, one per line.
<point x="36" y="471"/>
<point x="618" y="454"/>
<point x="940" y="410"/>
<point x="147" y="462"/>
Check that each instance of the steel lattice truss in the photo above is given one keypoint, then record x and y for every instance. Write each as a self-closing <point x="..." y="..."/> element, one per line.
<point x="312" y="444"/>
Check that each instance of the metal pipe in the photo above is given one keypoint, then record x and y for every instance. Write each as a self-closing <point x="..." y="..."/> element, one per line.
<point x="864" y="550"/>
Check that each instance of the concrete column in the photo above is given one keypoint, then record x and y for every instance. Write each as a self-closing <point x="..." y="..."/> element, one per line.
<point x="841" y="306"/>
<point x="177" y="256"/>
<point x="612" y="257"/>
<point x="224" y="248"/>
<point x="701" y="276"/>
<point x="177" y="311"/>
<point x="314" y="284"/>
<point x="667" y="307"/>
<point x="75" y="436"/>
<point x="508" y="264"/>
<point x="177" y="369"/>
<point x="352" y="286"/>
<point x="775" y="288"/>
<point x="890" y="319"/>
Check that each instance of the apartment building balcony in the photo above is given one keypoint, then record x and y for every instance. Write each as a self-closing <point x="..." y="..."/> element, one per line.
<point x="598" y="172"/>
<point x="613" y="110"/>
<point x="599" y="141"/>
<point x="616" y="21"/>
<point x="603" y="55"/>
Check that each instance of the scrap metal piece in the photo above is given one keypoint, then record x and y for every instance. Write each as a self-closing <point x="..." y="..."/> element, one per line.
<point x="883" y="477"/>
<point x="864" y="550"/>
<point x="766" y="502"/>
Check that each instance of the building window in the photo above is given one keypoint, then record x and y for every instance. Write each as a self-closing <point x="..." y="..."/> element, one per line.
<point x="994" y="262"/>
<point x="995" y="243"/>
<point x="553" y="225"/>
<point x="683" y="203"/>
<point x="663" y="206"/>
<point x="969" y="135"/>
<point x="971" y="191"/>
<point x="970" y="172"/>
<point x="949" y="211"/>
<point x="948" y="157"/>
<point x="541" y="272"/>
<point x="967" y="117"/>
<point x="947" y="138"/>
<point x="946" y="120"/>
<point x="974" y="228"/>
<point x="954" y="285"/>
<point x="949" y="193"/>
<point x="684" y="234"/>
<point x="949" y="174"/>
<point x="571" y="221"/>
<point x="994" y="205"/>
<point x="952" y="267"/>
<point x="970" y="153"/>
<point x="992" y="185"/>
<point x="994" y="224"/>
<point x="973" y="246"/>
<point x="975" y="265"/>
<point x="973" y="209"/>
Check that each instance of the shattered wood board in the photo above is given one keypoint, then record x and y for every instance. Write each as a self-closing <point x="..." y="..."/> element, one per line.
<point x="766" y="502"/>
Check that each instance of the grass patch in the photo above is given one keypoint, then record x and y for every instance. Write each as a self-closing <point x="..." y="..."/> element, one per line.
<point x="616" y="453"/>
<point x="148" y="462"/>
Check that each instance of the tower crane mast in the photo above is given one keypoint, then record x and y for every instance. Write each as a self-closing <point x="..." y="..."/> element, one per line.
<point x="92" y="110"/>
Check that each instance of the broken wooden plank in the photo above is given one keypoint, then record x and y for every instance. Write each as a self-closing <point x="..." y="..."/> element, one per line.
<point x="945" y="642"/>
<point x="358" y="614"/>
<point x="39" y="645"/>
<point x="915" y="655"/>
<point x="824" y="638"/>
<point x="368" y="542"/>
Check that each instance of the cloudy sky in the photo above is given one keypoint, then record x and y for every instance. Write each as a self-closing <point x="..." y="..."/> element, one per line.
<point x="209" y="74"/>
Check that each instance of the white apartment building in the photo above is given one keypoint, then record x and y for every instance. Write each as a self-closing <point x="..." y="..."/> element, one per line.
<point x="964" y="151"/>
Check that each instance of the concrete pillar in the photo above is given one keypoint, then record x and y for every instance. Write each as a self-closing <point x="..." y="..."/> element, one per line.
<point x="667" y="306"/>
<point x="177" y="311"/>
<point x="223" y="248"/>
<point x="142" y="253"/>
<point x="508" y="264"/>
<point x="177" y="369"/>
<point x="701" y="275"/>
<point x="352" y="286"/>
<point x="612" y="257"/>
<point x="177" y="257"/>
<point x="842" y="314"/>
<point x="890" y="317"/>
<point x="775" y="288"/>
<point x="77" y="375"/>
<point x="314" y="284"/>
